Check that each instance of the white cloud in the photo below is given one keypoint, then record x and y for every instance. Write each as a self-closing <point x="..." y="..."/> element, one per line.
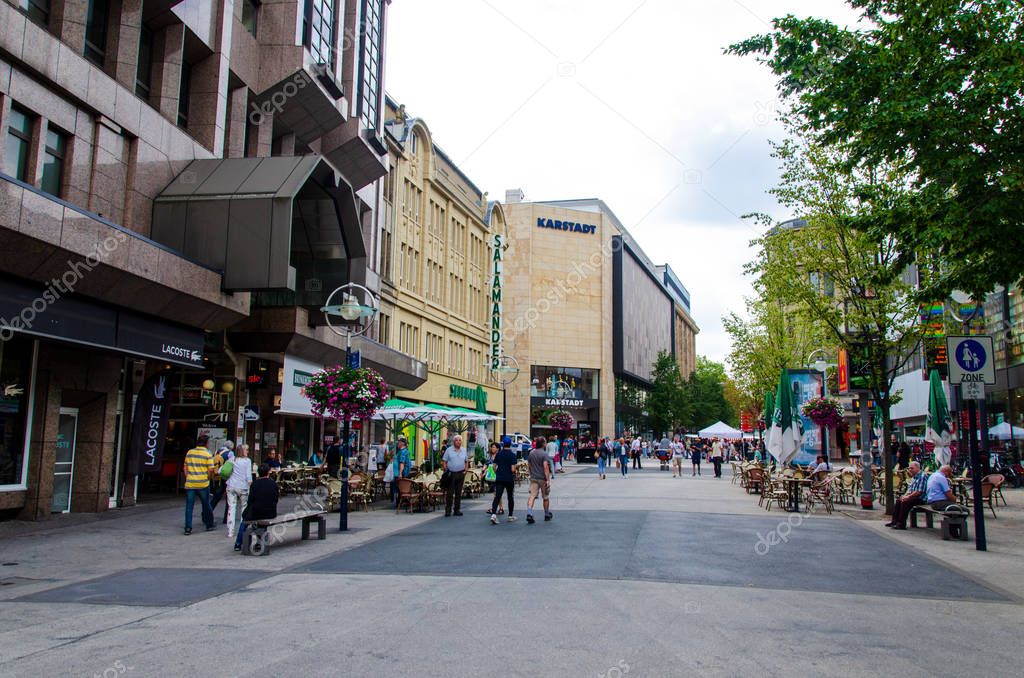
<point x="624" y="101"/>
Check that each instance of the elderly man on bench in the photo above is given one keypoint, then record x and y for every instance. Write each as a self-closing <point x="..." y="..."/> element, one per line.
<point x="939" y="494"/>
<point x="914" y="496"/>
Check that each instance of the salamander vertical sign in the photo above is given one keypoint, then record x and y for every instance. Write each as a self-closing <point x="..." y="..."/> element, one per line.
<point x="496" y="293"/>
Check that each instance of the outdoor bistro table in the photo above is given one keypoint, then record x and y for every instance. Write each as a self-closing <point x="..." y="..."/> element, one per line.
<point x="793" y="486"/>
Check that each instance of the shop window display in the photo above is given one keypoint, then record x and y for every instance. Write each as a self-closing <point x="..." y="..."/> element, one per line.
<point x="563" y="382"/>
<point x="15" y="375"/>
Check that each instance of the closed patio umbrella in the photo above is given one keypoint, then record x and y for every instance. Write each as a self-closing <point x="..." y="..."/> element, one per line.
<point x="785" y="434"/>
<point x="938" y="430"/>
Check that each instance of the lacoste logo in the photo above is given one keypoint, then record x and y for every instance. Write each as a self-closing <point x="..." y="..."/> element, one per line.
<point x="12" y="391"/>
<point x="160" y="388"/>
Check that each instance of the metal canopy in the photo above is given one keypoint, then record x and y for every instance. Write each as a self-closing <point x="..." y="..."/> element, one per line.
<point x="267" y="223"/>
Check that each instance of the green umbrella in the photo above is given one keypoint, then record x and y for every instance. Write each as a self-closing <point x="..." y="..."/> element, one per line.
<point x="784" y="435"/>
<point x="769" y="408"/>
<point x="938" y="429"/>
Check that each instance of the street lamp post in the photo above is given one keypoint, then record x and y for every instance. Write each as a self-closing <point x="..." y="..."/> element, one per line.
<point x="505" y="370"/>
<point x="822" y="366"/>
<point x="351" y="311"/>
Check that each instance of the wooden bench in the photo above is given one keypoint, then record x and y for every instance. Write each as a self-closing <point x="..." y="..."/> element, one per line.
<point x="954" y="520"/>
<point x="257" y="542"/>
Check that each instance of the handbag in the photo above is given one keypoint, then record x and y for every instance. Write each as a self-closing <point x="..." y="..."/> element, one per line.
<point x="490" y="475"/>
<point x="226" y="469"/>
<point x="446" y="480"/>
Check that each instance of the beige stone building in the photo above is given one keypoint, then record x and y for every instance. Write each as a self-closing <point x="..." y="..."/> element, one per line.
<point x="435" y="250"/>
<point x="585" y="314"/>
<point x="182" y="185"/>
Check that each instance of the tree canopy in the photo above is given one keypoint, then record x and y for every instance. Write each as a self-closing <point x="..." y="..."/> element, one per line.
<point x="933" y="90"/>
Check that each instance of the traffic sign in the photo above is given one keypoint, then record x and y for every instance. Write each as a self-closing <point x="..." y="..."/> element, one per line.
<point x="973" y="390"/>
<point x="354" y="360"/>
<point x="971" y="360"/>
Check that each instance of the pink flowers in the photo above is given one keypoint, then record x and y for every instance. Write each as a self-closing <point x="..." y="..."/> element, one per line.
<point x="561" y="420"/>
<point x="827" y="412"/>
<point x="344" y="393"/>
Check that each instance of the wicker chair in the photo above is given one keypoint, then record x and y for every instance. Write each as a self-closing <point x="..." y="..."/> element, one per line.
<point x="333" y="494"/>
<point x="754" y="480"/>
<point x="359" y="487"/>
<point x="408" y="494"/>
<point x="820" y="493"/>
<point x="774" y="490"/>
<point x="997" y="480"/>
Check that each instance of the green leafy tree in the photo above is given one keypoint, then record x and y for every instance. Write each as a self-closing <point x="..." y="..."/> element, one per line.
<point x="934" y="88"/>
<point x="667" y="405"/>
<point x="838" y="276"/>
<point x="704" y="395"/>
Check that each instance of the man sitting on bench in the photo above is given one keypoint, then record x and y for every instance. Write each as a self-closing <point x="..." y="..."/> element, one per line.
<point x="263" y="494"/>
<point x="914" y="497"/>
<point x="939" y="495"/>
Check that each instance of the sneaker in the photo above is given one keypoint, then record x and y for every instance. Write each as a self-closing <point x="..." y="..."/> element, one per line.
<point x="188" y="530"/>
<point x="457" y="513"/>
<point x="238" y="547"/>
<point x="529" y="519"/>
<point x="494" y="519"/>
<point x="230" y="536"/>
<point x="510" y="519"/>
<point x="210" y="528"/>
<point x="547" y="517"/>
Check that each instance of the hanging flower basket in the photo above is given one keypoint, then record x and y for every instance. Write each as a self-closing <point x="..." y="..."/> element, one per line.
<point x="344" y="393"/>
<point x="560" y="420"/>
<point x="827" y="412"/>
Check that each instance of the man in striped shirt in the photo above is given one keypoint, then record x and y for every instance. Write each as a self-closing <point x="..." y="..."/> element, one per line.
<point x="198" y="468"/>
<point x="913" y="497"/>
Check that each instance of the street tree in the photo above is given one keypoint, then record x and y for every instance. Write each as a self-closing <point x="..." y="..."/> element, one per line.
<point x="667" y="403"/>
<point x="934" y="88"/>
<point x="705" y="396"/>
<point x="857" y="288"/>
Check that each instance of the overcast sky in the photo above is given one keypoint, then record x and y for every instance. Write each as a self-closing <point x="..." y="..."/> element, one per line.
<point x="630" y="101"/>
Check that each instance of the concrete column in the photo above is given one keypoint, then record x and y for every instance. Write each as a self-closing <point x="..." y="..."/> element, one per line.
<point x="284" y="145"/>
<point x="167" y="54"/>
<point x="123" y="44"/>
<point x="259" y="141"/>
<point x="234" y="146"/>
<point x="68" y="22"/>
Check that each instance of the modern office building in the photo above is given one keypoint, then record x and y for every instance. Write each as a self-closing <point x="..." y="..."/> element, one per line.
<point x="585" y="314"/>
<point x="435" y="251"/>
<point x="183" y="185"/>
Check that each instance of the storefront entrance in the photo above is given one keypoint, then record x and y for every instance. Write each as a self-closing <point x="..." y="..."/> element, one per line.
<point x="64" y="459"/>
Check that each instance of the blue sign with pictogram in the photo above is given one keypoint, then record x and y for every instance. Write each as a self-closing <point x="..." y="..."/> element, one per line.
<point x="971" y="355"/>
<point x="971" y="366"/>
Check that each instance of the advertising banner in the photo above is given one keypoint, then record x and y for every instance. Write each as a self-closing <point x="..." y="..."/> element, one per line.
<point x="806" y="385"/>
<point x="149" y="425"/>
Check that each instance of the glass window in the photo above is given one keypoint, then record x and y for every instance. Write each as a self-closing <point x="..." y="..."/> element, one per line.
<point x="318" y="30"/>
<point x="144" y="68"/>
<point x="371" y="61"/>
<point x="53" y="161"/>
<point x="37" y="10"/>
<point x="183" y="94"/>
<point x="563" y="382"/>
<point x="15" y="376"/>
<point x="249" y="10"/>
<point x="96" y="31"/>
<point x="19" y="141"/>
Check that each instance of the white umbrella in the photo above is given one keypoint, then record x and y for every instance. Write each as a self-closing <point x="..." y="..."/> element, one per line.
<point x="1002" y="432"/>
<point x="786" y="432"/>
<point x="720" y="430"/>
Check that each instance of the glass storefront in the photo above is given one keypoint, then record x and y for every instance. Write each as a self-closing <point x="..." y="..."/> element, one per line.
<point x="15" y="387"/>
<point x="573" y="389"/>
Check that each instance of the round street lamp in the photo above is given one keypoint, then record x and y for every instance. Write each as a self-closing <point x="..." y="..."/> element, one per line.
<point x="505" y="370"/>
<point x="352" y="311"/>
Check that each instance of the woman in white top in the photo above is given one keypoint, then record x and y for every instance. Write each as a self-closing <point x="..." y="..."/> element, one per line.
<point x="238" y="487"/>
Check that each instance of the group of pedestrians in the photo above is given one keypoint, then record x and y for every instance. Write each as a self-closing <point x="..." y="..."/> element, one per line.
<point x="229" y="471"/>
<point x="541" y="463"/>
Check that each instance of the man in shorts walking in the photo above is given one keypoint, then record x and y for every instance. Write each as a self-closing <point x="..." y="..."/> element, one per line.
<point x="678" y="454"/>
<point x="540" y="479"/>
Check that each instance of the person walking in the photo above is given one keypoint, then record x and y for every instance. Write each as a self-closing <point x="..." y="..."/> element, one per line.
<point x="601" y="455"/>
<point x="238" y="487"/>
<point x="678" y="453"/>
<point x="454" y="463"/>
<point x="540" y="479"/>
<point x="635" y="447"/>
<point x="622" y="452"/>
<point x="198" y="469"/>
<point x="695" y="454"/>
<point x="716" y="456"/>
<point x="401" y="466"/>
<point x="218" y="485"/>
<point x="504" y="481"/>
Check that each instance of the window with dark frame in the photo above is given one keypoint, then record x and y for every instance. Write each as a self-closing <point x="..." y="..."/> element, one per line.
<point x="19" y="143"/>
<point x="183" y="94"/>
<point x="96" y="20"/>
<point x="54" y="152"/>
<point x="371" y="57"/>
<point x="318" y="30"/>
<point x="144" y="68"/>
<point x="250" y="8"/>
<point x="36" y="10"/>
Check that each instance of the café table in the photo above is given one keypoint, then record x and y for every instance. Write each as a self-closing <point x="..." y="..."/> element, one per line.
<point x="793" y="486"/>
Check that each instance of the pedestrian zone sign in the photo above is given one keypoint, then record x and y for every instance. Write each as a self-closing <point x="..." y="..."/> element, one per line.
<point x="971" y="364"/>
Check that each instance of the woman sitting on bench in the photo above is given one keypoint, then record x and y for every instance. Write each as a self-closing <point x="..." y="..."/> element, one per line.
<point x="263" y="494"/>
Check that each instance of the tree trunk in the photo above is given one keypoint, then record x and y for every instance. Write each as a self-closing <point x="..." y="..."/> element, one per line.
<point x="887" y="460"/>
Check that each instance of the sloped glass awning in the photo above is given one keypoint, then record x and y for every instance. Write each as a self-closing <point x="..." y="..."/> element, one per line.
<point x="284" y="223"/>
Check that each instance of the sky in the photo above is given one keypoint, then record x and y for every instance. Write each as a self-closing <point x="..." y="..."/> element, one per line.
<point x="630" y="101"/>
